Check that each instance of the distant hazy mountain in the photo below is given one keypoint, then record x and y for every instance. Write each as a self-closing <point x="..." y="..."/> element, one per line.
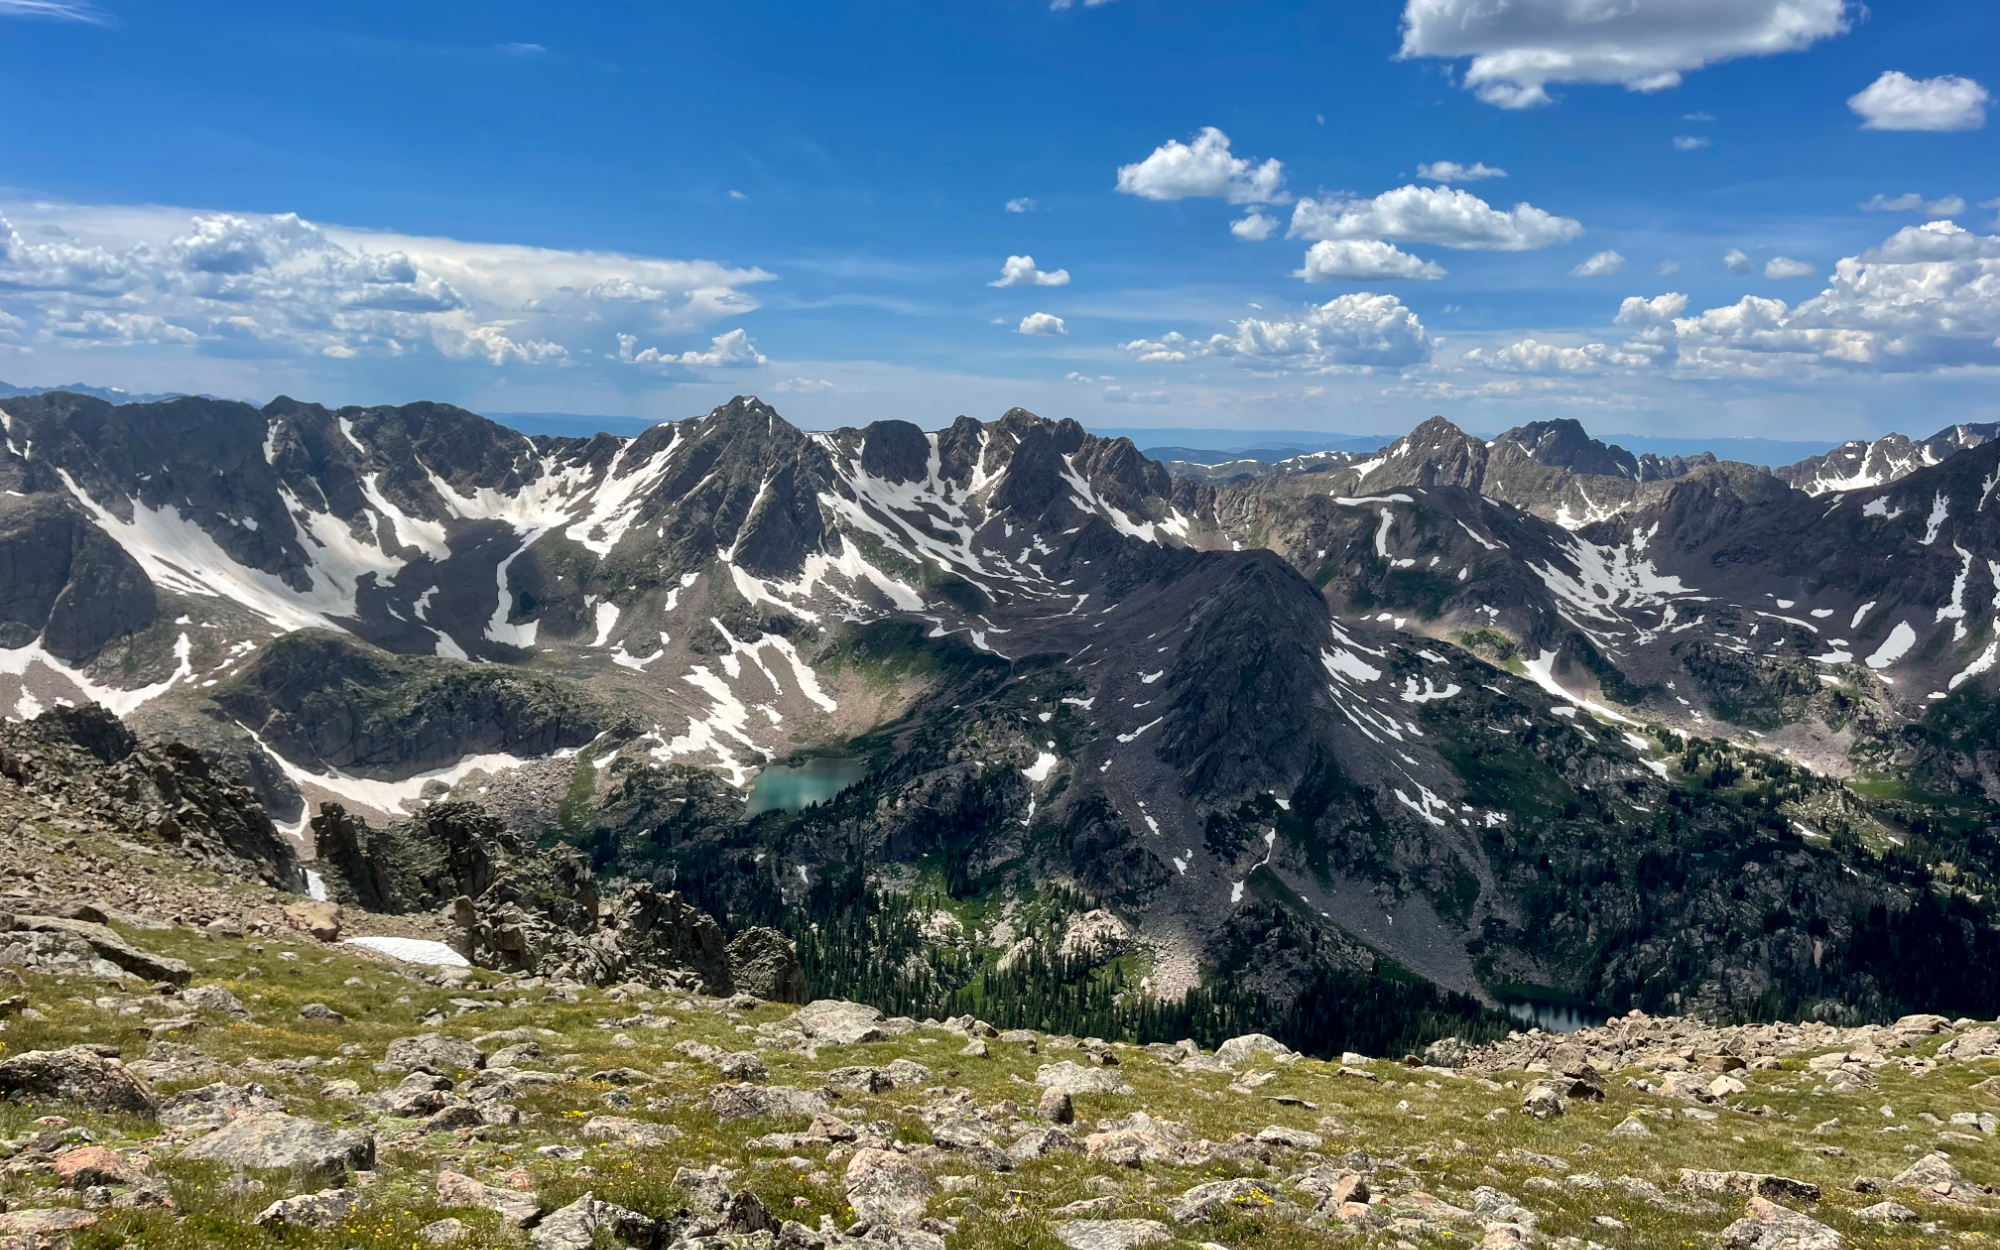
<point x="1863" y="463"/>
<point x="110" y="394"/>
<point x="570" y="424"/>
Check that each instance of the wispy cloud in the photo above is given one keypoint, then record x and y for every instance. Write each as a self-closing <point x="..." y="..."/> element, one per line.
<point x="60" y="10"/>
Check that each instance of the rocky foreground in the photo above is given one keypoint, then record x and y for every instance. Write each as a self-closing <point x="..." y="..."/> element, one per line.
<point x="222" y="1087"/>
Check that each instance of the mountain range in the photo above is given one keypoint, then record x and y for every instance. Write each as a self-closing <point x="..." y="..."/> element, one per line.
<point x="1530" y="719"/>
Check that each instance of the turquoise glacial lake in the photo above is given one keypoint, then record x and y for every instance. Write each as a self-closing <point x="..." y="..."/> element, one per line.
<point x="793" y="788"/>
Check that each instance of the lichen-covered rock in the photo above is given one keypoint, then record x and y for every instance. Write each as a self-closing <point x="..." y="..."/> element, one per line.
<point x="1073" y="1078"/>
<point x="1761" y="1184"/>
<point x="612" y="1128"/>
<point x="576" y="1226"/>
<point x="1542" y="1100"/>
<point x="215" y="998"/>
<point x="1238" y="1050"/>
<point x="837" y="1023"/>
<point x="1206" y="1200"/>
<point x="764" y="963"/>
<point x="1931" y="1170"/>
<point x="109" y="946"/>
<point x="324" y="1209"/>
<point x="95" y="1165"/>
<point x="78" y="1076"/>
<point x="1112" y="1234"/>
<point x="739" y="1102"/>
<point x="286" y="1142"/>
<point x="1767" y="1226"/>
<point x="518" y="1209"/>
<point x="884" y="1187"/>
<point x="216" y="1104"/>
<point x="434" y="1052"/>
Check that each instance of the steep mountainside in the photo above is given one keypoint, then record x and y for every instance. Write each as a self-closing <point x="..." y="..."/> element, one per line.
<point x="1424" y="712"/>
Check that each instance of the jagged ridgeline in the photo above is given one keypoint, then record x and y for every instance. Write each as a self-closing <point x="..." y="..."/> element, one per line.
<point x="1005" y="718"/>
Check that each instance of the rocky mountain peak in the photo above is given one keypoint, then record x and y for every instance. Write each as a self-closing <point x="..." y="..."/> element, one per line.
<point x="895" y="451"/>
<point x="1563" y="444"/>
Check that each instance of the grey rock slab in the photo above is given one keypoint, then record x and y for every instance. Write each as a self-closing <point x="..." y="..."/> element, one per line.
<point x="1055" y="1107"/>
<point x="217" y="999"/>
<point x="575" y="1227"/>
<point x="1074" y="1078"/>
<point x="1761" y="1184"/>
<point x="435" y="1052"/>
<point x="1040" y="1142"/>
<point x="1932" y="1169"/>
<point x="286" y="1142"/>
<point x="1112" y="1234"/>
<point x="77" y="1076"/>
<point x="1290" y="1138"/>
<point x="884" y="1187"/>
<point x="738" y="1102"/>
<point x="612" y="1128"/>
<point x="455" y="1189"/>
<point x="1239" y="1050"/>
<point x="1768" y="1226"/>
<point x="1205" y="1200"/>
<point x="109" y="945"/>
<point x="321" y="1210"/>
<point x="835" y="1023"/>
<point x="215" y="1104"/>
<point x="907" y="1073"/>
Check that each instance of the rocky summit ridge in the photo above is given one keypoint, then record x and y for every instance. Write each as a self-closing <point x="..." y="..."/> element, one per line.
<point x="1362" y="751"/>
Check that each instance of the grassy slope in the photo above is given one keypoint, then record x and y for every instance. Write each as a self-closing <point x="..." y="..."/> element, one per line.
<point x="1426" y="1130"/>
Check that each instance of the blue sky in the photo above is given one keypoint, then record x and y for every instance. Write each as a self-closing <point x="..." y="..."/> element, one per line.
<point x="642" y="209"/>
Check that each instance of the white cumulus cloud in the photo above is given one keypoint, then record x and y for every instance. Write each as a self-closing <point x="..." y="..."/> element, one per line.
<point x="1021" y="271"/>
<point x="1363" y="329"/>
<point x="1349" y="260"/>
<point x="731" y="349"/>
<point x="1043" y="324"/>
<point x="1206" y="167"/>
<point x="1737" y="263"/>
<point x="1651" y="314"/>
<point x="1021" y="204"/>
<point x="1691" y="143"/>
<point x="1519" y="47"/>
<point x="1786" y="267"/>
<point x="1445" y="216"/>
<point x="1452" y="171"/>
<point x="1548" y="360"/>
<point x="1896" y="101"/>
<point x="804" y="386"/>
<point x="264" y="286"/>
<point x="1927" y="299"/>
<point x="1911" y="202"/>
<point x="1667" y="268"/>
<point x="1254" y="228"/>
<point x="1603" y="265"/>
